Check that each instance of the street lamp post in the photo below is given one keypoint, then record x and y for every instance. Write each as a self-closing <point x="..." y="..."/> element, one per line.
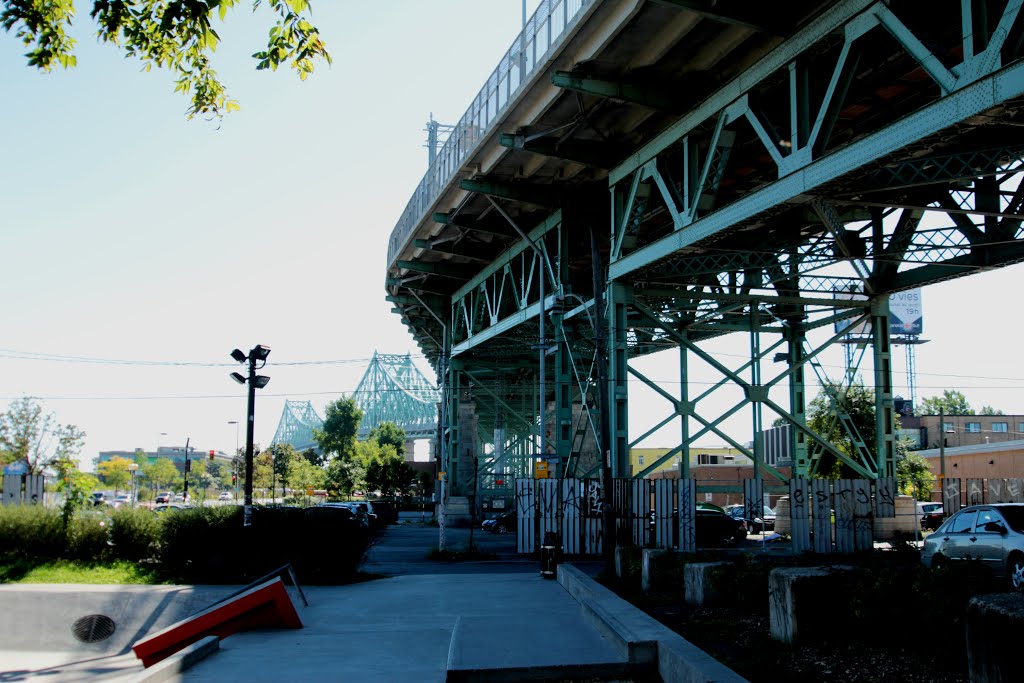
<point x="258" y="354"/>
<point x="184" y="493"/>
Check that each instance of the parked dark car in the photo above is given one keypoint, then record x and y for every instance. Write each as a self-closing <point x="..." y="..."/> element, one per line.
<point x="757" y="523"/>
<point x="931" y="515"/>
<point x="990" y="534"/>
<point x="502" y="524"/>
<point x="713" y="528"/>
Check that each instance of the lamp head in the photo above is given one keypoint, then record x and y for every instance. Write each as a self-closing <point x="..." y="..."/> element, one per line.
<point x="238" y="378"/>
<point x="260" y="352"/>
<point x="239" y="356"/>
<point x="262" y="381"/>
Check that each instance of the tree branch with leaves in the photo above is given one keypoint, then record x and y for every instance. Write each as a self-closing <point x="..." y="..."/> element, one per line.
<point x="176" y="35"/>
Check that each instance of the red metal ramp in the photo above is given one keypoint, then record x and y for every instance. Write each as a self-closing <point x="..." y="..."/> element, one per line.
<point x="266" y="605"/>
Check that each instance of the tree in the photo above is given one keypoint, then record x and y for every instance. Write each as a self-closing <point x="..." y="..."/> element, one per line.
<point x="314" y="458"/>
<point x="302" y="474"/>
<point x="115" y="472"/>
<point x="859" y="403"/>
<point x="171" y="34"/>
<point x="390" y="474"/>
<point x="989" y="410"/>
<point x="389" y="433"/>
<point x="161" y="472"/>
<point x="341" y="424"/>
<point x="913" y="475"/>
<point x="951" y="402"/>
<point x="26" y="433"/>
<point x="282" y="455"/>
<point x="344" y="476"/>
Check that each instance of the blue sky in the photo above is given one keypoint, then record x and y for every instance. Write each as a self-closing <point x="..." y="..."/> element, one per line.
<point x="130" y="233"/>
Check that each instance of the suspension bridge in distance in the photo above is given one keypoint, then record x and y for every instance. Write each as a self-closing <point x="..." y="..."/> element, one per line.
<point x="391" y="390"/>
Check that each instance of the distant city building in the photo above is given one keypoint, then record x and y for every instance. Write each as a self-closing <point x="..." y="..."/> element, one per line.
<point x="642" y="458"/>
<point x="175" y="454"/>
<point x="962" y="430"/>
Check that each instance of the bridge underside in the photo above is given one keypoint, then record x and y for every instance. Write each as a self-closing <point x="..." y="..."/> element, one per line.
<point x="673" y="175"/>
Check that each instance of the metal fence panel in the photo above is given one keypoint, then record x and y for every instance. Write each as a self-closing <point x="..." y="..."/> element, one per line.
<point x="12" y="489"/>
<point x="549" y="504"/>
<point x="951" y="495"/>
<point x="863" y="524"/>
<point x="686" y="505"/>
<point x="526" y="516"/>
<point x="843" y="497"/>
<point x="620" y="510"/>
<point x="885" y="497"/>
<point x="821" y="503"/>
<point x="593" y="517"/>
<point x="640" y="505"/>
<point x="800" y="529"/>
<point x="664" y="501"/>
<point x="571" y="537"/>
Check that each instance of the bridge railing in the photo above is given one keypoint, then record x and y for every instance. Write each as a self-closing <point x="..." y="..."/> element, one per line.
<point x="545" y="29"/>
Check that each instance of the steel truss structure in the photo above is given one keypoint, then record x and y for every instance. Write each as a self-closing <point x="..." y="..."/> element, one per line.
<point x="392" y="389"/>
<point x="298" y="420"/>
<point x="690" y="173"/>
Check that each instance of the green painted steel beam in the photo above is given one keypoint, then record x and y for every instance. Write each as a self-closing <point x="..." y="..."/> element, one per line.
<point x="822" y="25"/>
<point x="646" y="95"/>
<point x="603" y="155"/>
<point x="538" y="232"/>
<point x="429" y="300"/>
<point x="930" y="119"/>
<point x="740" y="16"/>
<point x="531" y="193"/>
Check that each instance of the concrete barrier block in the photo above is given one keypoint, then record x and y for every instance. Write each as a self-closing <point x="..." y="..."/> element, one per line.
<point x="620" y="561"/>
<point x="798" y="600"/>
<point x="995" y="624"/>
<point x="647" y="561"/>
<point x="699" y="588"/>
<point x="639" y="638"/>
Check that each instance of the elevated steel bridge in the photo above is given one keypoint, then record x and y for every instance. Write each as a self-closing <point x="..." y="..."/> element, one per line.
<point x="391" y="390"/>
<point x="671" y="171"/>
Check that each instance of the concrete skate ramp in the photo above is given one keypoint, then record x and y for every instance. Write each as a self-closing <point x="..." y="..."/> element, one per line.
<point x="36" y="621"/>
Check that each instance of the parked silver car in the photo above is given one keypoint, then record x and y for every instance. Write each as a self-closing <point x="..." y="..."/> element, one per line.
<point x="991" y="534"/>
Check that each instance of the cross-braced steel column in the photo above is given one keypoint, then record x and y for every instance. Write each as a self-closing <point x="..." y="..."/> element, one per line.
<point x="886" y="444"/>
<point x="795" y="337"/>
<point x="619" y="297"/>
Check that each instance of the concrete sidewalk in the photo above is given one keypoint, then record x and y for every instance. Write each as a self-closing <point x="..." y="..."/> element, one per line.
<point x="420" y="628"/>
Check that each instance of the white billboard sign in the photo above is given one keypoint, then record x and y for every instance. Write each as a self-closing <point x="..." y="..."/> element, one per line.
<point x="905" y="315"/>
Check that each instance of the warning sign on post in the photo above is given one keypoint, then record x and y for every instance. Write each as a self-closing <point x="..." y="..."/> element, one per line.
<point x="540" y="469"/>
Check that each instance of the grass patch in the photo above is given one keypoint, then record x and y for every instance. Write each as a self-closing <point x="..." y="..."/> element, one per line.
<point x="71" y="571"/>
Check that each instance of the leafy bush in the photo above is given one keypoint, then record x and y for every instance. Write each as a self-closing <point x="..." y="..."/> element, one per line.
<point x="31" y="531"/>
<point x="133" y="533"/>
<point x="210" y="545"/>
<point x="88" y="537"/>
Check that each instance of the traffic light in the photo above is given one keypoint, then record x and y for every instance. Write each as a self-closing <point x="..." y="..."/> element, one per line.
<point x="234" y="478"/>
<point x="211" y="455"/>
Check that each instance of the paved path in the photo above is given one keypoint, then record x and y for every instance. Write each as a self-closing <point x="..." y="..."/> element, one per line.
<point x="480" y="618"/>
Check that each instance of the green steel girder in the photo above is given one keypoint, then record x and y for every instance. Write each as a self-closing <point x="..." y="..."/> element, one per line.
<point x="967" y="89"/>
<point x="531" y="193"/>
<point x="394" y="390"/>
<point x="602" y="155"/>
<point x="298" y="421"/>
<point x="654" y="96"/>
<point x="942" y="168"/>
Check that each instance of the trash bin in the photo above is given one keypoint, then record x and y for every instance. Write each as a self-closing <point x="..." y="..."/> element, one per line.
<point x="550" y="554"/>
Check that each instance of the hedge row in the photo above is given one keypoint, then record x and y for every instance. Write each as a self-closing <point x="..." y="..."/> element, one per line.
<point x="197" y="545"/>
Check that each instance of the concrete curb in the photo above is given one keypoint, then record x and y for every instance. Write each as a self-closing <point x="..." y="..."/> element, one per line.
<point x="642" y="640"/>
<point x="184" y="659"/>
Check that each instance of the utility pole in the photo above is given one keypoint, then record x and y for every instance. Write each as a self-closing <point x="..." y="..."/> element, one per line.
<point x="942" y="447"/>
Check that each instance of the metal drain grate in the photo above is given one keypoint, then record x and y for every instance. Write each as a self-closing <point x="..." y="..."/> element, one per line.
<point x="93" y="628"/>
